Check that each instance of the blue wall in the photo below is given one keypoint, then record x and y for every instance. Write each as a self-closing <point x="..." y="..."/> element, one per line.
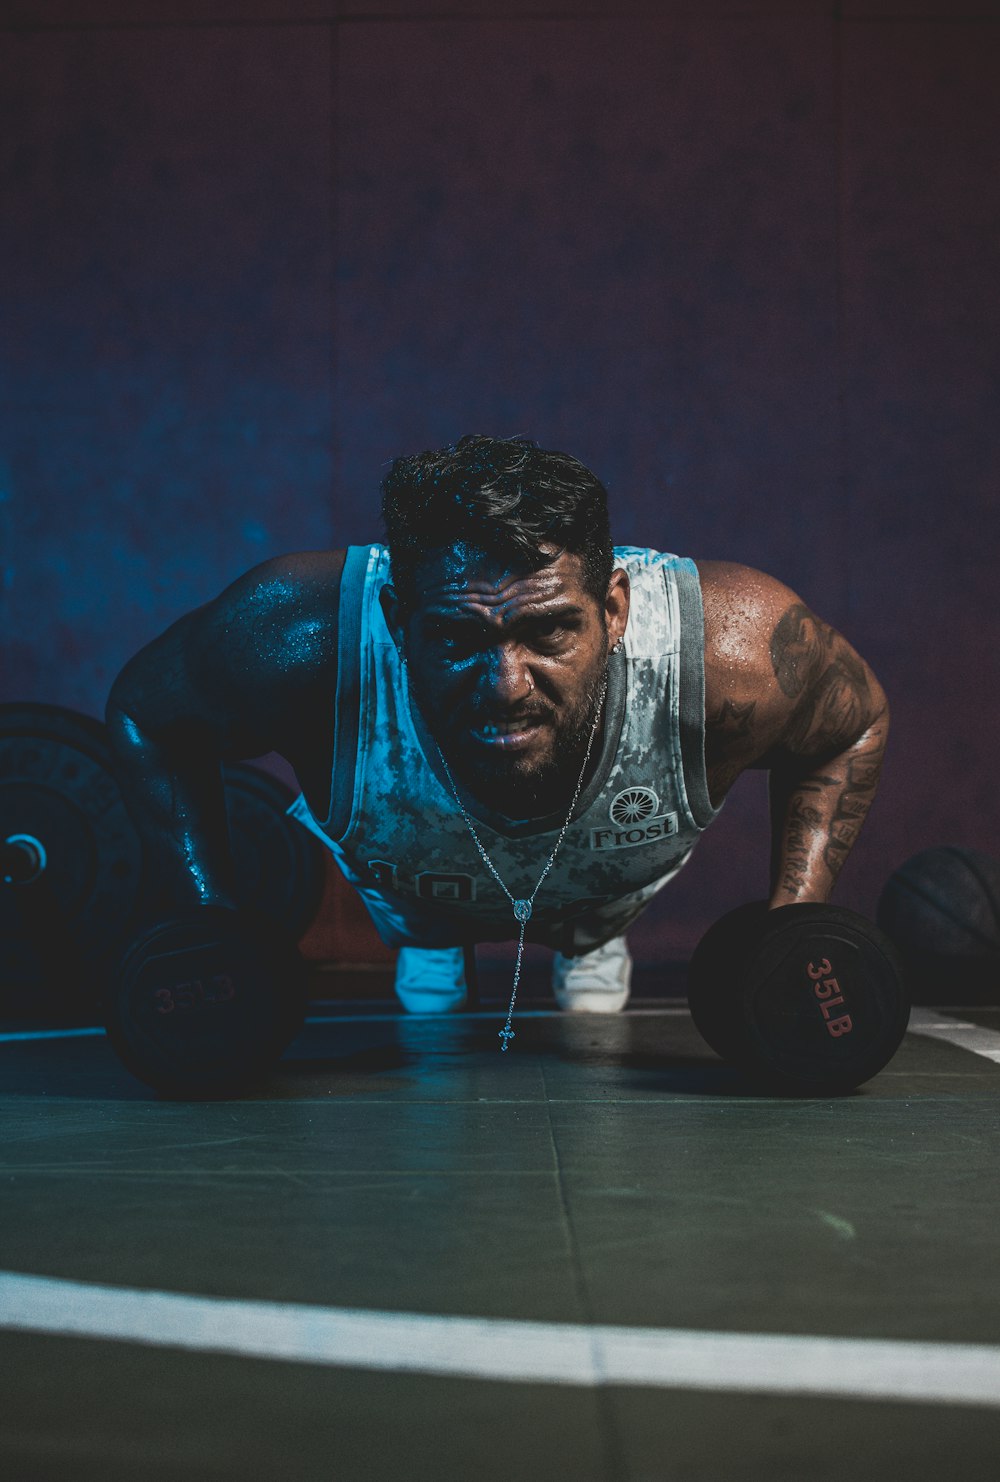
<point x="741" y="261"/>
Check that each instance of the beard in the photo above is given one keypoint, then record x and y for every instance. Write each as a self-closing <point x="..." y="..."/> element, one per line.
<point x="525" y="786"/>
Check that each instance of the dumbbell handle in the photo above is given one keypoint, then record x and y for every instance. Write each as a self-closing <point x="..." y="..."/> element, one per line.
<point x="22" y="859"/>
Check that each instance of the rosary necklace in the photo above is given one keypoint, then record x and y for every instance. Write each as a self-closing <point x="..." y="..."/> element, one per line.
<point x="523" y="907"/>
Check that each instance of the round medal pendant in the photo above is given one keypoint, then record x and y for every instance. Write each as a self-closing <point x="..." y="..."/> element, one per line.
<point x="522" y="911"/>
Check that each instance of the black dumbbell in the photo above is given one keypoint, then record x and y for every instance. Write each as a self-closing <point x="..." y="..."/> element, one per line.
<point x="204" y="1004"/>
<point x="73" y="883"/>
<point x="941" y="909"/>
<point x="807" y="999"/>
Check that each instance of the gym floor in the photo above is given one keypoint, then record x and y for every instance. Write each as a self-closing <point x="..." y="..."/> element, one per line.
<point x="596" y="1257"/>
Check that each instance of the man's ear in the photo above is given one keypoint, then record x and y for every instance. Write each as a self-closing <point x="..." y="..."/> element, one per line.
<point x="390" y="611"/>
<point x="616" y="604"/>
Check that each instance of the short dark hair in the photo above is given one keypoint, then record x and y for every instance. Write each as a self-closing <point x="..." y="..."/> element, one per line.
<point x="505" y="496"/>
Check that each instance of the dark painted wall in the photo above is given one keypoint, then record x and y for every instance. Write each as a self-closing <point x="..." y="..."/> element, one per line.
<point x="741" y="258"/>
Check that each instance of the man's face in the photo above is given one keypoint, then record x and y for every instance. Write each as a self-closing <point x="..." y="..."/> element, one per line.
<point x="507" y="666"/>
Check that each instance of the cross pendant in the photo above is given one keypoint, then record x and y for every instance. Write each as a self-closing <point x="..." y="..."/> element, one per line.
<point x="506" y="1034"/>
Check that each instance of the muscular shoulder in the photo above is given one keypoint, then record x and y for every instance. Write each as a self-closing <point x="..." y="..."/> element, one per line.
<point x="744" y="609"/>
<point x="281" y="612"/>
<point x="779" y="681"/>
<point x="243" y="664"/>
<point x="268" y="635"/>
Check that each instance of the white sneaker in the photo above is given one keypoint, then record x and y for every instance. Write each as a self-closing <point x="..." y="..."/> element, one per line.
<point x="431" y="980"/>
<point x="596" y="983"/>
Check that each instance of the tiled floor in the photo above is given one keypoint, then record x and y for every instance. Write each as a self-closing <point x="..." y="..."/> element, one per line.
<point x="606" y="1171"/>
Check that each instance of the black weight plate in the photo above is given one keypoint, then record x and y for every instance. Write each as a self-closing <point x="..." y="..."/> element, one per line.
<point x="819" y="1031"/>
<point x="205" y="1003"/>
<point x="715" y="977"/>
<point x="58" y="794"/>
<point x="941" y="910"/>
<point x="280" y="870"/>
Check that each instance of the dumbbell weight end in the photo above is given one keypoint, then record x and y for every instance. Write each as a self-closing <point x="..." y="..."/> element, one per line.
<point x="205" y="1002"/>
<point x="807" y="999"/>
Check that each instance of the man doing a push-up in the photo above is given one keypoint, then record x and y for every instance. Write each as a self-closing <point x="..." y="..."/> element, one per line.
<point x="503" y="726"/>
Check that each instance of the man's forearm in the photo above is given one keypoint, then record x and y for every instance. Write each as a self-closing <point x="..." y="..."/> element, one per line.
<point x="176" y="799"/>
<point x="817" y="815"/>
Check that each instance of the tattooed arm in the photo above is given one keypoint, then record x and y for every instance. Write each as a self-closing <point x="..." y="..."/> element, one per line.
<point x="784" y="691"/>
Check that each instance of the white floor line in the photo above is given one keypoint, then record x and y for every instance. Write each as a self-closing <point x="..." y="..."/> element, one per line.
<point x="933" y="1024"/>
<point x="518" y="1352"/>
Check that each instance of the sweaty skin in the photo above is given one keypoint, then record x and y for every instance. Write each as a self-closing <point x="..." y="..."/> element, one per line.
<point x="786" y="692"/>
<point x="506" y="667"/>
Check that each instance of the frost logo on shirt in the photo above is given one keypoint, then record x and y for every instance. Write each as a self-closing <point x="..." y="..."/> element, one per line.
<point x="634" y="813"/>
<point x="633" y="805"/>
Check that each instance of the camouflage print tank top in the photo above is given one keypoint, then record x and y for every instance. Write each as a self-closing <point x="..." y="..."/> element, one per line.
<point x="399" y="838"/>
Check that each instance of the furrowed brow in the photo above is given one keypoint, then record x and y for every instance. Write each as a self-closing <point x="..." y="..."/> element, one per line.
<point x="449" y="615"/>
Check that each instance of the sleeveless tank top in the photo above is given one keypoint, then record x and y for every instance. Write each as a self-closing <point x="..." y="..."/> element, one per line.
<point x="399" y="838"/>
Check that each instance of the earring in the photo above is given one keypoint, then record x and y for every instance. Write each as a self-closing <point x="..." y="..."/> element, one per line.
<point x="617" y="648"/>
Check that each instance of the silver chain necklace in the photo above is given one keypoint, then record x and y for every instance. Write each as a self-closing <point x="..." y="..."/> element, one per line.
<point x="523" y="907"/>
